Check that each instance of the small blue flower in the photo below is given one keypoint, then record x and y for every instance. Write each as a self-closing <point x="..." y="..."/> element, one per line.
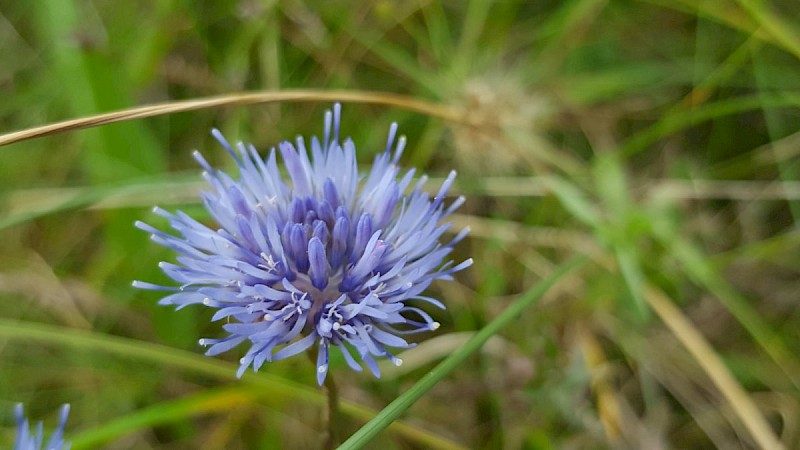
<point x="27" y="441"/>
<point x="333" y="259"/>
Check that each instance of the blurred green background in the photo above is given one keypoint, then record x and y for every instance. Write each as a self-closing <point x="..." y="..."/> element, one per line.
<point x="661" y="139"/>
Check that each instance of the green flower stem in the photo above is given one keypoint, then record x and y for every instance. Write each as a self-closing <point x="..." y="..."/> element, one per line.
<point x="333" y="417"/>
<point x="333" y="412"/>
<point x="389" y="414"/>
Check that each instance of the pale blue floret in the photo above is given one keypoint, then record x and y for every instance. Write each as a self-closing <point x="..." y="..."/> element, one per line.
<point x="28" y="440"/>
<point x="331" y="258"/>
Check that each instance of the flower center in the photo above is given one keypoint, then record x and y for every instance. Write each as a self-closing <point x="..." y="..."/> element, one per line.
<point x="319" y="298"/>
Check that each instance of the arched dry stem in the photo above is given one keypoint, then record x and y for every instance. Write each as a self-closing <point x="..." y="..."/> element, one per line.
<point x="238" y="99"/>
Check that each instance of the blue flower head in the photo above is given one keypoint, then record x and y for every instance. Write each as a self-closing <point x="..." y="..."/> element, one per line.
<point x="330" y="258"/>
<point x="33" y="441"/>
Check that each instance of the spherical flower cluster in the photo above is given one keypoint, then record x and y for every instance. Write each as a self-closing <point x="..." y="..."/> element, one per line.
<point x="33" y="441"/>
<point x="333" y="258"/>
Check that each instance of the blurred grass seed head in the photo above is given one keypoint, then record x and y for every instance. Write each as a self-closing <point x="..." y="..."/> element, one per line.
<point x="500" y="104"/>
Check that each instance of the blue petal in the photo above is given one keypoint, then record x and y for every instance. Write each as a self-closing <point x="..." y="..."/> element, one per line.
<point x="318" y="263"/>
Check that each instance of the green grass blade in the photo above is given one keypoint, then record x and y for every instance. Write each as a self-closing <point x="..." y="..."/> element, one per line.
<point x="268" y="384"/>
<point x="778" y="127"/>
<point x="409" y="397"/>
<point x="204" y="402"/>
<point x="574" y="200"/>
<point x="139" y="192"/>
<point x="685" y="119"/>
<point x="209" y="401"/>
<point x="473" y="26"/>
<point x="571" y="23"/>
<point x="784" y="33"/>
<point x="634" y="278"/>
<point x="437" y="31"/>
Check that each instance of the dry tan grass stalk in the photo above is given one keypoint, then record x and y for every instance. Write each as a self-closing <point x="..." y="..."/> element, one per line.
<point x="608" y="404"/>
<point x="712" y="365"/>
<point x="238" y="99"/>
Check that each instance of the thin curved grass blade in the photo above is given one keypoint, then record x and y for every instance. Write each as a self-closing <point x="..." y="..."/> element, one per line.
<point x="237" y="99"/>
